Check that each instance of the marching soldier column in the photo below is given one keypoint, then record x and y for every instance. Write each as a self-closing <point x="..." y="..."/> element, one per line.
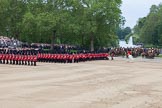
<point x="30" y="57"/>
<point x="18" y="57"/>
<point x="71" y="58"/>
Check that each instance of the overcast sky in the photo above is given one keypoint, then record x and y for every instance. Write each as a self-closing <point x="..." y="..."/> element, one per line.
<point x="134" y="9"/>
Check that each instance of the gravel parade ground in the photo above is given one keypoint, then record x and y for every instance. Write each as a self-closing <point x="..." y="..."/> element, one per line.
<point x="96" y="84"/>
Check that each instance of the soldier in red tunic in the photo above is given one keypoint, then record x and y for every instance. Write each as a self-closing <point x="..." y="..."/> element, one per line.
<point x="0" y="58"/>
<point x="3" y="58"/>
<point x="35" y="60"/>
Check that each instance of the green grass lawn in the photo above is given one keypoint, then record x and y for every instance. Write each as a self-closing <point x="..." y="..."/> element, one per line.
<point x="160" y="56"/>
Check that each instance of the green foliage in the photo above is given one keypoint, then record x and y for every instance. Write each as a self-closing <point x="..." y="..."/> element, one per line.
<point x="75" y="21"/>
<point x="160" y="56"/>
<point x="123" y="32"/>
<point x="149" y="28"/>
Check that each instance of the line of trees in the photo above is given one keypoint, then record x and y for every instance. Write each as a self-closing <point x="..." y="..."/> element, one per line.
<point x="122" y="32"/>
<point x="148" y="30"/>
<point x="88" y="23"/>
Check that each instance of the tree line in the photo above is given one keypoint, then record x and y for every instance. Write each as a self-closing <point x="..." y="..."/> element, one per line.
<point x="87" y="23"/>
<point x="148" y="30"/>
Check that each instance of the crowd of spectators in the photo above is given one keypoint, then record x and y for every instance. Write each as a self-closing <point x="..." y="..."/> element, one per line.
<point x="57" y="48"/>
<point x="6" y="42"/>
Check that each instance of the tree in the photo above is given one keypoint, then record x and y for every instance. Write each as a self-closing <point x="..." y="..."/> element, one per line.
<point x="123" y="32"/>
<point x="87" y="23"/>
<point x="148" y="29"/>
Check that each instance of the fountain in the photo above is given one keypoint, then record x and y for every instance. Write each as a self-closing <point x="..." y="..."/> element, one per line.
<point x="122" y="43"/>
